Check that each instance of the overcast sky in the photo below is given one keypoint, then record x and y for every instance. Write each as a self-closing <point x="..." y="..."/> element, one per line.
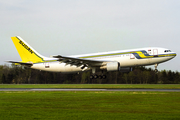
<point x="70" y="27"/>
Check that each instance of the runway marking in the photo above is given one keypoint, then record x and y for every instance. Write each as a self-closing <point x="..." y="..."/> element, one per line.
<point x="77" y="89"/>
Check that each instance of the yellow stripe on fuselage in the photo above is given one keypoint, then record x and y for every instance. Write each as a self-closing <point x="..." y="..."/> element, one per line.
<point x="142" y="55"/>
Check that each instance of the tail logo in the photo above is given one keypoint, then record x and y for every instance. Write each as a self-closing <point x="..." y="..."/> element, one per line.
<point x="26" y="47"/>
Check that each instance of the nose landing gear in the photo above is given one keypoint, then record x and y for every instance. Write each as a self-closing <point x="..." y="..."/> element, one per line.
<point x="156" y="70"/>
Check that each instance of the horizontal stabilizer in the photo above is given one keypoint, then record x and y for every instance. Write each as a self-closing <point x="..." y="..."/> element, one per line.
<point x="21" y="63"/>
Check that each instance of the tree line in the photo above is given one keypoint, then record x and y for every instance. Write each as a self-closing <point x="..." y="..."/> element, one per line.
<point x="11" y="74"/>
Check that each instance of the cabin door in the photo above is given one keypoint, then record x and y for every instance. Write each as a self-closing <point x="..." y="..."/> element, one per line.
<point x="155" y="52"/>
<point x="132" y="55"/>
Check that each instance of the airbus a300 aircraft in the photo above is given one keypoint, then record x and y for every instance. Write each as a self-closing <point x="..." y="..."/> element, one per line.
<point x="122" y="60"/>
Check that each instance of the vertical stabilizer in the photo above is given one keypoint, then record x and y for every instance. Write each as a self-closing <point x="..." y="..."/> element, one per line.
<point x="26" y="52"/>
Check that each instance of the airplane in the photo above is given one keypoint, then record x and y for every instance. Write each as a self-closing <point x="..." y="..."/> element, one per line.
<point x="122" y="60"/>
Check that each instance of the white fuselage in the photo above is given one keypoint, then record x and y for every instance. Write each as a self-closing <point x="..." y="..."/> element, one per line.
<point x="126" y="58"/>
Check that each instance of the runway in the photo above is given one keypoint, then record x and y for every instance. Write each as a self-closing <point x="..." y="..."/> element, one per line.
<point x="65" y="89"/>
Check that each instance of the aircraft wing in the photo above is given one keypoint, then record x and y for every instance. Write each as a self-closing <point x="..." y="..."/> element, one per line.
<point x="21" y="63"/>
<point x="79" y="62"/>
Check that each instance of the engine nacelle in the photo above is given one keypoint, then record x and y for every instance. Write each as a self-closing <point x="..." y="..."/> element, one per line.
<point x="113" y="66"/>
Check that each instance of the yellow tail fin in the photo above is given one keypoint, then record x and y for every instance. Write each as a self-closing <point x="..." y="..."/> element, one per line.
<point x="26" y="52"/>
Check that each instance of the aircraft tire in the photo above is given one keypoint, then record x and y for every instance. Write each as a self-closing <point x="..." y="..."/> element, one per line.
<point x="156" y="70"/>
<point x="104" y="76"/>
<point x="95" y="76"/>
<point x="91" y="77"/>
<point x="100" y="76"/>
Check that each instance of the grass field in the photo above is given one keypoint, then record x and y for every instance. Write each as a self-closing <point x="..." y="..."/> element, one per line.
<point x="88" y="105"/>
<point x="79" y="105"/>
<point x="115" y="86"/>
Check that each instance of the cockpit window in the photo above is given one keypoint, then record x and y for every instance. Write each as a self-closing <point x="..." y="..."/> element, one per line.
<point x="167" y="51"/>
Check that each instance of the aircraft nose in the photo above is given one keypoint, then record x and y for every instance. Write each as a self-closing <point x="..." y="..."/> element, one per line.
<point x="174" y="54"/>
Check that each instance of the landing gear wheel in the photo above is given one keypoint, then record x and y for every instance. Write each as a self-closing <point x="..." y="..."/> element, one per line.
<point x="95" y="76"/>
<point x="156" y="70"/>
<point x="100" y="76"/>
<point x="91" y="77"/>
<point x="104" y="76"/>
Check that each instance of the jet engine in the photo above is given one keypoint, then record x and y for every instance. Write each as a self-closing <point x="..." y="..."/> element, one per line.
<point x="115" y="66"/>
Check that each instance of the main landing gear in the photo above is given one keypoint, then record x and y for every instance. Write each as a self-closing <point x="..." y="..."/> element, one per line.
<point x="98" y="76"/>
<point x="95" y="76"/>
